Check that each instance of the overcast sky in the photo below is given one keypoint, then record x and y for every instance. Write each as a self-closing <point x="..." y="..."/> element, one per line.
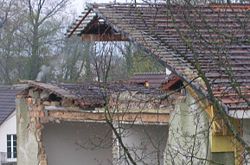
<point x="78" y="5"/>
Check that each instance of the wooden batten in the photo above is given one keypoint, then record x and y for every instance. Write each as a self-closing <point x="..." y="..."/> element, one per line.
<point x="103" y="37"/>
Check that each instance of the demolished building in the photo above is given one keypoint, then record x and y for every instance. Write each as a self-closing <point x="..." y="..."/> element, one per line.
<point x="77" y="123"/>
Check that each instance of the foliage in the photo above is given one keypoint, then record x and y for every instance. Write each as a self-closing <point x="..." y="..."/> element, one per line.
<point x="32" y="36"/>
<point x="145" y="63"/>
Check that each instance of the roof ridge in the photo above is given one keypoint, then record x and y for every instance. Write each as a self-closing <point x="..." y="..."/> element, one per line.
<point x="163" y="3"/>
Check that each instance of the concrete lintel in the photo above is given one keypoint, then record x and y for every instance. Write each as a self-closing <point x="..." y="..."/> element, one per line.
<point x="136" y="118"/>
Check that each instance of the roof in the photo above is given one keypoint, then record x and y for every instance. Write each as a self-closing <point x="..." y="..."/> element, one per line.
<point x="155" y="79"/>
<point x="212" y="38"/>
<point x="92" y="95"/>
<point x="8" y="100"/>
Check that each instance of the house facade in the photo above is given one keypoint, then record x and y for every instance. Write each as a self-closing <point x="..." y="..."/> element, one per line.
<point x="8" y="139"/>
<point x="8" y="152"/>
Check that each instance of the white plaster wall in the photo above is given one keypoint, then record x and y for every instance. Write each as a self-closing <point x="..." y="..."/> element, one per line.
<point x="146" y="143"/>
<point x="246" y="137"/>
<point x="188" y="133"/>
<point x="7" y="127"/>
<point x="72" y="143"/>
<point x="246" y="130"/>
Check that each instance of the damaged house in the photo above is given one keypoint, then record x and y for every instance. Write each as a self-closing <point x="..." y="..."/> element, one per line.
<point x="207" y="46"/>
<point x="83" y="123"/>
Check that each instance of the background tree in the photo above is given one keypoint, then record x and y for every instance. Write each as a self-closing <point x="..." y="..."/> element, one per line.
<point x="10" y="25"/>
<point x="42" y="22"/>
<point x="31" y="33"/>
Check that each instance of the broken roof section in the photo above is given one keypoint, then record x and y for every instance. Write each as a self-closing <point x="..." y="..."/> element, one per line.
<point x="213" y="39"/>
<point x="92" y="95"/>
<point x="90" y="23"/>
<point x="90" y="102"/>
<point x="7" y="100"/>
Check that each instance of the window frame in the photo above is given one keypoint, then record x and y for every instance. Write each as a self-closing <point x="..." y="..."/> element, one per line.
<point x="11" y="146"/>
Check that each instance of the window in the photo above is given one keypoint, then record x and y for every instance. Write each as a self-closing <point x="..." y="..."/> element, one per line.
<point x="11" y="146"/>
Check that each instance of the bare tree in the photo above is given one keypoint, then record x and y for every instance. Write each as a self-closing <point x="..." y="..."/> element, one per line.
<point x="10" y="23"/>
<point x="42" y="16"/>
<point x="31" y="36"/>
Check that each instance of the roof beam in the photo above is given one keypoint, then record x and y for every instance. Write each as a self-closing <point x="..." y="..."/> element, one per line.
<point x="79" y="23"/>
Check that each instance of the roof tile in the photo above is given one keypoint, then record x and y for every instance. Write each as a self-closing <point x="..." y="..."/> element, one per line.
<point x="7" y="100"/>
<point x="214" y="36"/>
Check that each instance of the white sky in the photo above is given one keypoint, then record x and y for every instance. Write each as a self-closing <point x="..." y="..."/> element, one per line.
<point x="78" y="5"/>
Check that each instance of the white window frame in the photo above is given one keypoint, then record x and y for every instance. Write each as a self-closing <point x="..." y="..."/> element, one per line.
<point x="11" y="146"/>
